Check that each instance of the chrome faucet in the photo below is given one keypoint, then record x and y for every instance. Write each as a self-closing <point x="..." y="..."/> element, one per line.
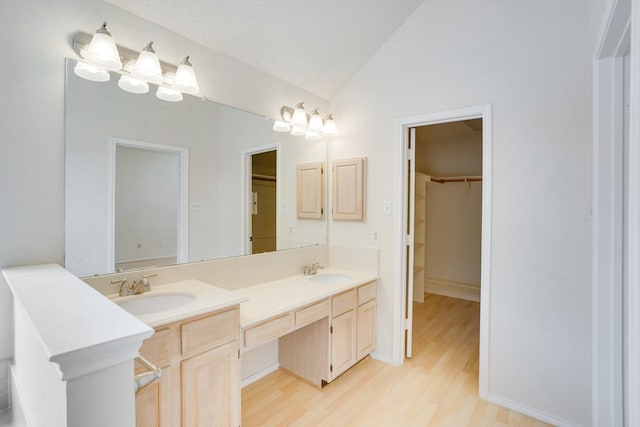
<point x="310" y="270"/>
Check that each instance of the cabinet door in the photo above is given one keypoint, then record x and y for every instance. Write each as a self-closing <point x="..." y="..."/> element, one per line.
<point x="310" y="185"/>
<point x="211" y="388"/>
<point x="348" y="189"/>
<point x="155" y="403"/>
<point x="343" y="343"/>
<point x="366" y="328"/>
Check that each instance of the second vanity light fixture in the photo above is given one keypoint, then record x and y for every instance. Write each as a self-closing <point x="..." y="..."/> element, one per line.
<point x="312" y="126"/>
<point x="136" y="71"/>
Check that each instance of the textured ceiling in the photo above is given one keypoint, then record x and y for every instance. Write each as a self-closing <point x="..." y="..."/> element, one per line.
<point x="315" y="45"/>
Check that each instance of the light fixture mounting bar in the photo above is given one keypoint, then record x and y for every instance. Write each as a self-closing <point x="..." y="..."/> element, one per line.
<point x="81" y="41"/>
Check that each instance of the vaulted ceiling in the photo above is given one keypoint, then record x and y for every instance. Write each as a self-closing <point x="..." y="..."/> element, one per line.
<point x="316" y="45"/>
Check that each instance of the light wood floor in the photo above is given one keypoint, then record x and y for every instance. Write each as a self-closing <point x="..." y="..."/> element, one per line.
<point x="437" y="387"/>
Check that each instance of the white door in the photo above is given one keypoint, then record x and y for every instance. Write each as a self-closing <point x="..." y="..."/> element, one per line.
<point x="409" y="234"/>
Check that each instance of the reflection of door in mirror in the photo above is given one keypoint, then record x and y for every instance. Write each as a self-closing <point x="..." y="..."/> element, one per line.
<point x="147" y="204"/>
<point x="263" y="202"/>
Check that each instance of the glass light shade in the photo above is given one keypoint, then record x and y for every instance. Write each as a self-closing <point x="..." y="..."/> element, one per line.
<point x="91" y="72"/>
<point x="148" y="65"/>
<point x="185" y="79"/>
<point x="102" y="50"/>
<point x="297" y="131"/>
<point x="329" y="126"/>
<point x="299" y="117"/>
<point x="315" y="122"/>
<point x="280" y="126"/>
<point x="312" y="134"/>
<point x="168" y="94"/>
<point x="132" y="85"/>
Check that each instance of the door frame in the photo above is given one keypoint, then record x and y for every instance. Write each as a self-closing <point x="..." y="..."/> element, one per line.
<point x="245" y="185"/>
<point x="182" y="250"/>
<point x="615" y="335"/>
<point x="483" y="112"/>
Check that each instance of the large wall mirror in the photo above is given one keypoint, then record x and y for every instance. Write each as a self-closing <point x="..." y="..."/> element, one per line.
<point x="150" y="182"/>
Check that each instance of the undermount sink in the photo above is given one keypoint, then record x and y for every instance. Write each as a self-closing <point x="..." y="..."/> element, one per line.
<point x="330" y="278"/>
<point x="148" y="304"/>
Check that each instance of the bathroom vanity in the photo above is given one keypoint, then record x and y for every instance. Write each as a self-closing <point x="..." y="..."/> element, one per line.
<point x="195" y="343"/>
<point x="324" y="324"/>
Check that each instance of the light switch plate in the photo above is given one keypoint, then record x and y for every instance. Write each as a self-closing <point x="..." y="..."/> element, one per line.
<point x="387" y="207"/>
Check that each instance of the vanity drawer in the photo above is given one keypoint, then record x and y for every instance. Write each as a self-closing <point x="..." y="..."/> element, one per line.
<point x="367" y="292"/>
<point x="342" y="303"/>
<point x="158" y="348"/>
<point x="209" y="332"/>
<point x="310" y="314"/>
<point x="267" y="331"/>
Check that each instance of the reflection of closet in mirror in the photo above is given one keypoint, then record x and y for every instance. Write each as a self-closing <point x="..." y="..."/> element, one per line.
<point x="148" y="205"/>
<point x="263" y="201"/>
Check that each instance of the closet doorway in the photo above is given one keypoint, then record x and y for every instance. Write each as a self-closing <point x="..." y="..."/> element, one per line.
<point x="446" y="221"/>
<point x="262" y="222"/>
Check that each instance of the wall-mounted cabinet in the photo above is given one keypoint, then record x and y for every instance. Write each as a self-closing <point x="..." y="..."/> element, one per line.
<point x="310" y="190"/>
<point x="348" y="189"/>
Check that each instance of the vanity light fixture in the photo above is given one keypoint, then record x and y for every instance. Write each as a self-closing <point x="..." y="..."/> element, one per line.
<point x="329" y="126"/>
<point x="167" y="93"/>
<point x="280" y="126"/>
<point x="299" y="116"/>
<point x="315" y="122"/>
<point x="102" y="50"/>
<point x="101" y="54"/>
<point x="296" y="121"/>
<point x="298" y="131"/>
<point x="185" y="79"/>
<point x="91" y="72"/>
<point x="133" y="85"/>
<point x="147" y="65"/>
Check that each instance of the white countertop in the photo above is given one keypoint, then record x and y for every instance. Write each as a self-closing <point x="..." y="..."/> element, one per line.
<point x="207" y="298"/>
<point x="269" y="299"/>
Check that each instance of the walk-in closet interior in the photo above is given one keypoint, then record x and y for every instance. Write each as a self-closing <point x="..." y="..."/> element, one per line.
<point x="448" y="210"/>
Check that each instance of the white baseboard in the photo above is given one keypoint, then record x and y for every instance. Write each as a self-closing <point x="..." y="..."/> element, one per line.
<point x="255" y="377"/>
<point x="533" y="413"/>
<point x="459" y="290"/>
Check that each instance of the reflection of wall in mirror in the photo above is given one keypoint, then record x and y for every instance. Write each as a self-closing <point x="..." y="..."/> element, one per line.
<point x="146" y="207"/>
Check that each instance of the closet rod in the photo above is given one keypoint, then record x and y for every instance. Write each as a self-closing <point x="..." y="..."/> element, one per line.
<point x="263" y="177"/>
<point x="445" y="179"/>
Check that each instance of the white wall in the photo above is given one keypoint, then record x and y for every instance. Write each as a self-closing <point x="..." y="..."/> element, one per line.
<point x="32" y="151"/>
<point x="453" y="232"/>
<point x="147" y="195"/>
<point x="532" y="62"/>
